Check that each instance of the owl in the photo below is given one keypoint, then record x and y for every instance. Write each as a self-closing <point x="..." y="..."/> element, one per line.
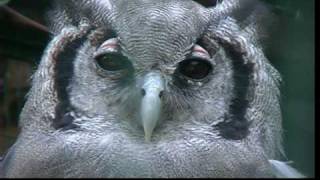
<point x="152" y="88"/>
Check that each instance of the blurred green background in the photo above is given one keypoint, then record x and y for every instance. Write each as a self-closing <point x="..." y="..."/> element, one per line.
<point x="290" y="49"/>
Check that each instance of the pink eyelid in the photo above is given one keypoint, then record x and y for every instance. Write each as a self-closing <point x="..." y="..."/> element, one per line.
<point x="200" y="50"/>
<point x="110" y="44"/>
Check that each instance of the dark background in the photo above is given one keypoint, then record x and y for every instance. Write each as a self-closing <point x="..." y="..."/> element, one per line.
<point x="290" y="48"/>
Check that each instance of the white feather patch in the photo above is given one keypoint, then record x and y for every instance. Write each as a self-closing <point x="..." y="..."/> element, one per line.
<point x="105" y="3"/>
<point x="283" y="170"/>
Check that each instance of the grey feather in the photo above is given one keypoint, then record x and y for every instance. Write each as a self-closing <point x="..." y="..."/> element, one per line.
<point x="190" y="93"/>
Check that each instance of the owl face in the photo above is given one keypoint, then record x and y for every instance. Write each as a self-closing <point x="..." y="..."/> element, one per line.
<point x="164" y="80"/>
<point x="151" y="89"/>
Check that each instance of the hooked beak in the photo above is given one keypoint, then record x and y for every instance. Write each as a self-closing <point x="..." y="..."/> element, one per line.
<point x="151" y="103"/>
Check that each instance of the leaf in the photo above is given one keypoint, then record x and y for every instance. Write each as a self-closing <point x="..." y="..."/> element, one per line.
<point x="3" y="2"/>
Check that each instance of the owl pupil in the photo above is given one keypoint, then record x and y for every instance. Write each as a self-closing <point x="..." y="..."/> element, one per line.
<point x="195" y="68"/>
<point x="113" y="62"/>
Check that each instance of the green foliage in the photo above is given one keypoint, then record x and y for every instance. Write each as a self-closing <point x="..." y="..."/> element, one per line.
<point x="3" y="2"/>
<point x="291" y="50"/>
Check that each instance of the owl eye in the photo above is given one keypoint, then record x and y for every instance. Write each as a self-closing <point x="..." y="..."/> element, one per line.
<point x="113" y="62"/>
<point x="195" y="68"/>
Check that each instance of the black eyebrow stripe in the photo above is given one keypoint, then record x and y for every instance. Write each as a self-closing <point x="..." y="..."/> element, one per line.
<point x="236" y="126"/>
<point x="63" y="74"/>
<point x="208" y="3"/>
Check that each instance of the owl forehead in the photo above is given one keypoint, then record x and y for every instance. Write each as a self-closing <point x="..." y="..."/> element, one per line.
<point x="160" y="30"/>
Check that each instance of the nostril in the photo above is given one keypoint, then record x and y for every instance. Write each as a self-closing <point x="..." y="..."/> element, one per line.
<point x="160" y="94"/>
<point x="143" y="92"/>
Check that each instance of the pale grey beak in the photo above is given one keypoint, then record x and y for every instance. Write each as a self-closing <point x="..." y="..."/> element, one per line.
<point x="151" y="103"/>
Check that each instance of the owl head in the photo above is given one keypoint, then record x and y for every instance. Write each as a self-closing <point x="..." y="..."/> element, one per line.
<point x="154" y="72"/>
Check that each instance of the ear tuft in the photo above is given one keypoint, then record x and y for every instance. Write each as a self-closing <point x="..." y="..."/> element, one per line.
<point x="71" y="12"/>
<point x="253" y="16"/>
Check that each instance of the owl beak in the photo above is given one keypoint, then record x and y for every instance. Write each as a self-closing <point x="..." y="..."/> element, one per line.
<point x="151" y="103"/>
